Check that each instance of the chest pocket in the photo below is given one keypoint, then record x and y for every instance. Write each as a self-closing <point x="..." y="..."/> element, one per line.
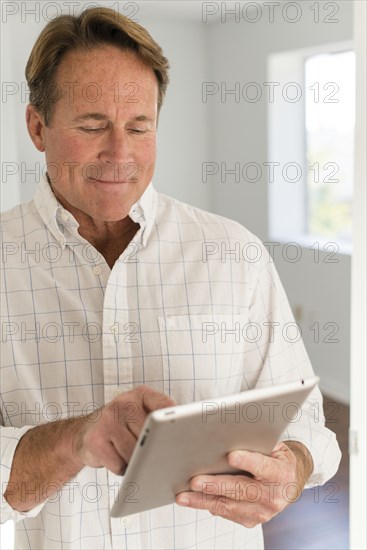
<point x="203" y="355"/>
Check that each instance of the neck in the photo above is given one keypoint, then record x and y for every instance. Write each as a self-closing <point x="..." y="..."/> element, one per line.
<point x="109" y="238"/>
<point x="113" y="240"/>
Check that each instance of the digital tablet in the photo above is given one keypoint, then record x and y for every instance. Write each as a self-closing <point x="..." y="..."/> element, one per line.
<point x="177" y="443"/>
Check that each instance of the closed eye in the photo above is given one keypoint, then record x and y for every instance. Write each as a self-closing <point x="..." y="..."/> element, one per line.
<point x="94" y="130"/>
<point x="91" y="130"/>
<point x="137" y="131"/>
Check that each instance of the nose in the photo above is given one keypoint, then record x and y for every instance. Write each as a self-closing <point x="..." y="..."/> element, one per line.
<point x="116" y="148"/>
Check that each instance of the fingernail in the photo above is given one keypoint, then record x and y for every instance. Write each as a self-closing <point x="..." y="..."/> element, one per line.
<point x="183" y="501"/>
<point x="235" y="459"/>
<point x="197" y="483"/>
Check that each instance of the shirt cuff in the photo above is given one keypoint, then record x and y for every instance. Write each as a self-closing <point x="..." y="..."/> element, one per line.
<point x="9" y="439"/>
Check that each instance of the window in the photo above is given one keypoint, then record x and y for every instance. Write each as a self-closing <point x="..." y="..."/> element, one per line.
<point x="311" y="138"/>
<point x="330" y="143"/>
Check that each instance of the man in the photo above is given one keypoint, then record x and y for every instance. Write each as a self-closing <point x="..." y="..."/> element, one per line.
<point x="108" y="286"/>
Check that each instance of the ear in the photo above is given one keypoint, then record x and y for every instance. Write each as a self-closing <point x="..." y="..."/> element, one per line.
<point x="35" y="126"/>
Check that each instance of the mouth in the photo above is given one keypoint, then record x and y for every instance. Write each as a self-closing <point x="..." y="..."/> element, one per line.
<point x="111" y="182"/>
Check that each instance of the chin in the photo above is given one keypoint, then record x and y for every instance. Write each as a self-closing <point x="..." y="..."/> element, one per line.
<point x="119" y="215"/>
<point x="107" y="212"/>
<point x="111" y="217"/>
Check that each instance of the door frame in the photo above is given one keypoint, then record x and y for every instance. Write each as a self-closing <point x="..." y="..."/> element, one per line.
<point x="357" y="435"/>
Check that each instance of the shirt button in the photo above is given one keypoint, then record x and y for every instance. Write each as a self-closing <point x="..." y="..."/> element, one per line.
<point x="128" y="521"/>
<point x="114" y="329"/>
<point x="65" y="216"/>
<point x="117" y="393"/>
<point x="97" y="270"/>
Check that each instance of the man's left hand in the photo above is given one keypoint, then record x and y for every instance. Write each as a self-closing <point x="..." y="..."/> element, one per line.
<point x="277" y="481"/>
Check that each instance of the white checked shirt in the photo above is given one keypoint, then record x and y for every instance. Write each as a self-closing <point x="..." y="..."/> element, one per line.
<point x="76" y="333"/>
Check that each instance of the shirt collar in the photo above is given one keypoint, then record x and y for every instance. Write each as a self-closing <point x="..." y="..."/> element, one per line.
<point x="144" y="211"/>
<point x="57" y="218"/>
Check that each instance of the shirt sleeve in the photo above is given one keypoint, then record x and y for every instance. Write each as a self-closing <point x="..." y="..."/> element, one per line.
<point x="280" y="357"/>
<point x="9" y="439"/>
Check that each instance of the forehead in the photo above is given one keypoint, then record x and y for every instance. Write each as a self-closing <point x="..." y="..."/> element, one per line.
<point x="106" y="72"/>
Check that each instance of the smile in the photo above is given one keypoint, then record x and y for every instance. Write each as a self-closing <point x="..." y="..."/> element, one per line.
<point x="111" y="182"/>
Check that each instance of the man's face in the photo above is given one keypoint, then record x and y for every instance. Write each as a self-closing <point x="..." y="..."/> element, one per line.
<point x="101" y="144"/>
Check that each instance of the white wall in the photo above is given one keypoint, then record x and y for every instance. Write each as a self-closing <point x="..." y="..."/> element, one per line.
<point x="16" y="146"/>
<point x="183" y="126"/>
<point x="319" y="292"/>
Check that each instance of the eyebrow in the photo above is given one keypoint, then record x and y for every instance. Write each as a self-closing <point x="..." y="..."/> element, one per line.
<point x="94" y="116"/>
<point x="100" y="116"/>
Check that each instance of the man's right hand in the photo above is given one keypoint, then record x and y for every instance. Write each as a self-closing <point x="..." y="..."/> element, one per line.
<point x="107" y="437"/>
<point x="49" y="455"/>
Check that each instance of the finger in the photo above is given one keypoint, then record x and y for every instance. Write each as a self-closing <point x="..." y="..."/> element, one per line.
<point x="234" y="487"/>
<point x="262" y="467"/>
<point x="132" y="408"/>
<point x="103" y="454"/>
<point x="112" y="460"/>
<point x="112" y="450"/>
<point x="116" y="452"/>
<point x="125" y="414"/>
<point x="244" y="513"/>
<point x="153" y="400"/>
<point x="124" y="444"/>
